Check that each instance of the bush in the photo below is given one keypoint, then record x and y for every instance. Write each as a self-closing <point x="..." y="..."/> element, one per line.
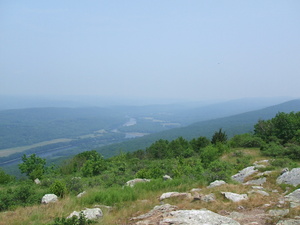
<point x="219" y="170"/>
<point x="5" y="178"/>
<point x="246" y="141"/>
<point x="283" y="162"/>
<point x="81" y="220"/>
<point x="75" y="185"/>
<point x="59" y="188"/>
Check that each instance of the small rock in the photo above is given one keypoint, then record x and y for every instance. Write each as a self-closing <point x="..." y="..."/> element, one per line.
<point x="235" y="197"/>
<point x="90" y="214"/>
<point x="167" y="177"/>
<point x="196" y="190"/>
<point x="259" y="192"/>
<point x="208" y="198"/>
<point x="37" y="181"/>
<point x="259" y="181"/>
<point x="81" y="194"/>
<point x="216" y="183"/>
<point x="257" y="187"/>
<point x="131" y="183"/>
<point x="49" y="198"/>
<point x="174" y="195"/>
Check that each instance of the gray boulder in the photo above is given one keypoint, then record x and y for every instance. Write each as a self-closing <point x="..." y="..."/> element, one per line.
<point x="235" y="197"/>
<point x="241" y="175"/>
<point x="216" y="183"/>
<point x="290" y="177"/>
<point x="196" y="217"/>
<point x="293" y="198"/>
<point x="49" y="198"/>
<point x="91" y="214"/>
<point x="131" y="183"/>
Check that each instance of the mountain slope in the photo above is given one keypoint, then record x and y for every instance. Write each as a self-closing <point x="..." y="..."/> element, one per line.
<point x="232" y="125"/>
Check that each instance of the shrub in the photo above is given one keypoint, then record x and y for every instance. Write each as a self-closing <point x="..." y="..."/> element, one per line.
<point x="5" y="178"/>
<point x="81" y="220"/>
<point x="59" y="188"/>
<point x="219" y="170"/>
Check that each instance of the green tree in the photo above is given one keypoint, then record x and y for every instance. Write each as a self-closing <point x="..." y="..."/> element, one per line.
<point x="33" y="166"/>
<point x="219" y="137"/>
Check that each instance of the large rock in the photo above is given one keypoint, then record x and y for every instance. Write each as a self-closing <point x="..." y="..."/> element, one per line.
<point x="174" y="195"/>
<point x="131" y="183"/>
<point x="91" y="214"/>
<point x="216" y="183"/>
<point x="241" y="175"/>
<point x="49" y="198"/>
<point x="290" y="177"/>
<point x="196" y="217"/>
<point x="279" y="212"/>
<point x="293" y="198"/>
<point x="235" y="197"/>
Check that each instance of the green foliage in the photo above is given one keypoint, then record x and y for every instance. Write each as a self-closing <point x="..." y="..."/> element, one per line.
<point x="219" y="170"/>
<point x="5" y="178"/>
<point x="199" y="143"/>
<point x="58" y="188"/>
<point x="284" y="126"/>
<point x="291" y="151"/>
<point x="74" y="185"/>
<point x="283" y="162"/>
<point x="81" y="220"/>
<point x="219" y="137"/>
<point x="246" y="141"/>
<point x="209" y="154"/>
<point x="33" y="166"/>
<point x="22" y="195"/>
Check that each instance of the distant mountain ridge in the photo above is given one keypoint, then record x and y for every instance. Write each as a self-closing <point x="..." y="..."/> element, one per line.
<point x="232" y="125"/>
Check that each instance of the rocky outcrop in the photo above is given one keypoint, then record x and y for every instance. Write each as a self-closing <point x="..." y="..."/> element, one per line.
<point x="290" y="177"/>
<point x="235" y="197"/>
<point x="91" y="214"/>
<point x="216" y="183"/>
<point x="167" y="214"/>
<point x="293" y="198"/>
<point x="241" y="175"/>
<point x="133" y="182"/>
<point x="195" y="217"/>
<point x="49" y="198"/>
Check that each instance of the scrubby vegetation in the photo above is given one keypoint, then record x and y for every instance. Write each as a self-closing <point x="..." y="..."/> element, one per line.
<point x="190" y="163"/>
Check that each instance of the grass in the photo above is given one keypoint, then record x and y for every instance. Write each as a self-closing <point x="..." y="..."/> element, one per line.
<point x="10" y="151"/>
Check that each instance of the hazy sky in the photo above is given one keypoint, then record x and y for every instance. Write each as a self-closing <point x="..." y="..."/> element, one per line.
<point x="188" y="49"/>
